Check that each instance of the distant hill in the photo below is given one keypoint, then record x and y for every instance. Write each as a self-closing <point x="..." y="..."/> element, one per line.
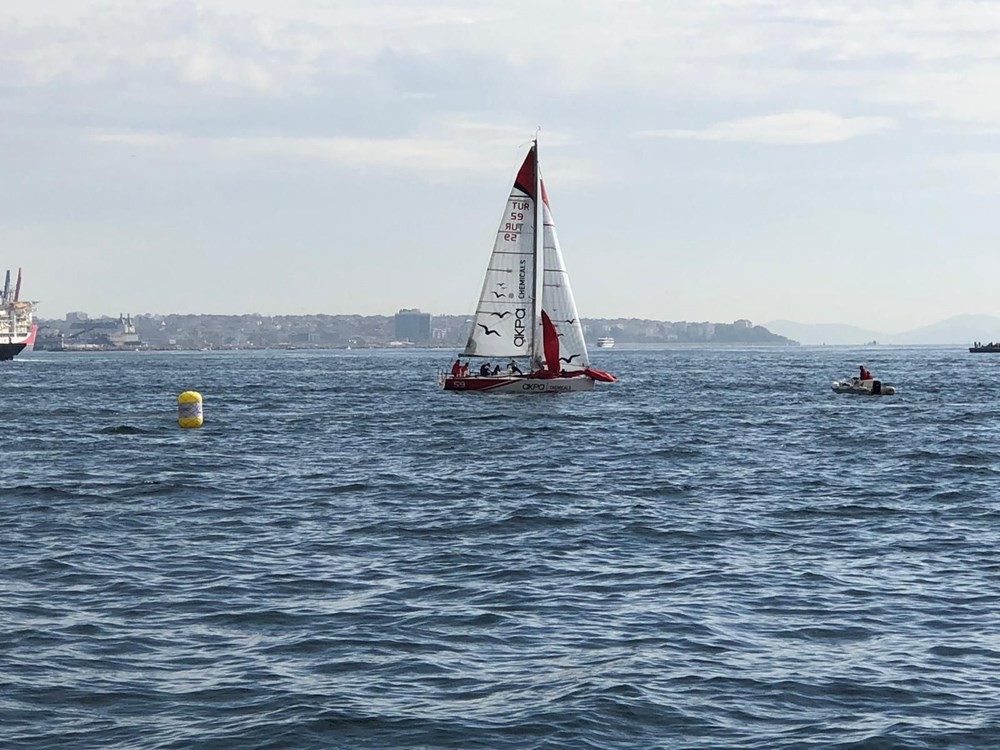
<point x="961" y="329"/>
<point x="823" y="333"/>
<point x="254" y="331"/>
<point x="642" y="331"/>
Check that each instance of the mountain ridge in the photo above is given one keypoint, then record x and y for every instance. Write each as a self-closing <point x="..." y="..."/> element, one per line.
<point x="959" y="329"/>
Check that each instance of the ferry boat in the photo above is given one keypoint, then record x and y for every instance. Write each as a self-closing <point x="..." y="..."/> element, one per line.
<point x="17" y="326"/>
<point x="605" y="342"/>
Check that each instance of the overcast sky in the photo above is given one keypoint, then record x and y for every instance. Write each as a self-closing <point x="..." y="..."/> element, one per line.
<point x="820" y="161"/>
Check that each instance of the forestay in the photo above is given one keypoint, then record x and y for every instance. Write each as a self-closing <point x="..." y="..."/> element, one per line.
<point x="557" y="297"/>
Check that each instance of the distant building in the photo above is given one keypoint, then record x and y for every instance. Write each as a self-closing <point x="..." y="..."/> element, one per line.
<point x="124" y="335"/>
<point x="102" y="333"/>
<point x="742" y="323"/>
<point x="413" y="326"/>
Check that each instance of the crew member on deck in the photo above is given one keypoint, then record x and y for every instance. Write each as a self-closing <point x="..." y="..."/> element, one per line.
<point x="456" y="369"/>
<point x="514" y="369"/>
<point x="865" y="375"/>
<point x="484" y="369"/>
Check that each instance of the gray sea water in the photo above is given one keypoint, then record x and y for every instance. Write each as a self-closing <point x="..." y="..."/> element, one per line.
<point x="715" y="552"/>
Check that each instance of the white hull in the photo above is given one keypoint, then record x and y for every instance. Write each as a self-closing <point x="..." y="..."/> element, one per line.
<point x="27" y="340"/>
<point x="863" y="387"/>
<point x="515" y="384"/>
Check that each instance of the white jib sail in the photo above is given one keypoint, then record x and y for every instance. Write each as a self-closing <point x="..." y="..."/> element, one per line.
<point x="503" y="324"/>
<point x="557" y="299"/>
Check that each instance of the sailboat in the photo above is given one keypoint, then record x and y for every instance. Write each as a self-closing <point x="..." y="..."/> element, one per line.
<point x="526" y="310"/>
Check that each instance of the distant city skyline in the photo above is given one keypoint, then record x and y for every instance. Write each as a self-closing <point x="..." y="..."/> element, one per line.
<point x="706" y="161"/>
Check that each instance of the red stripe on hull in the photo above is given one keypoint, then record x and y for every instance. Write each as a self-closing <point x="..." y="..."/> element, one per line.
<point x="29" y="342"/>
<point x="472" y="384"/>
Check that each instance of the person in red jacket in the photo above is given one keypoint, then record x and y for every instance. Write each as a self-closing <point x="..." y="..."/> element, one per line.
<point x="456" y="369"/>
<point x="865" y="375"/>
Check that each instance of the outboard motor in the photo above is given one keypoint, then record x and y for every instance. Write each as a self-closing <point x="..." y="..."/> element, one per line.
<point x="876" y="387"/>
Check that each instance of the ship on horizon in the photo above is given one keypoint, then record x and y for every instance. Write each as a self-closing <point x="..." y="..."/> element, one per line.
<point x="17" y="323"/>
<point x="979" y="347"/>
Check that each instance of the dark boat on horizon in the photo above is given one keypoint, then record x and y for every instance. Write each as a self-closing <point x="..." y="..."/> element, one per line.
<point x="989" y="348"/>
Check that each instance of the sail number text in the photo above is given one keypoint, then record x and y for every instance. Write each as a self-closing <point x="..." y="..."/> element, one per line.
<point x="515" y="224"/>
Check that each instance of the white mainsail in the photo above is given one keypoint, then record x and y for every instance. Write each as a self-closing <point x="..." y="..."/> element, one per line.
<point x="504" y="323"/>
<point x="557" y="297"/>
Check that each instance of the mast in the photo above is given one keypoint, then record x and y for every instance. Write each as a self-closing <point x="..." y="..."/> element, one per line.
<point x="537" y="258"/>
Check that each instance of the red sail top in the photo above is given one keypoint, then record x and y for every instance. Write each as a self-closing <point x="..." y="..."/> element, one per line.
<point x="525" y="181"/>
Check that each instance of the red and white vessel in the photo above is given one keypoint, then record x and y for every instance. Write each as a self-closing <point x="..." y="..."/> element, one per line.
<point x="17" y="326"/>
<point x="526" y="310"/>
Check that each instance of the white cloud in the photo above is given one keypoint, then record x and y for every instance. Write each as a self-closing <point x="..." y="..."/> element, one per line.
<point x="975" y="171"/>
<point x="801" y="127"/>
<point x="252" y="94"/>
<point x="961" y="100"/>
<point x="823" y="54"/>
<point x="929" y="61"/>
<point x="452" y="150"/>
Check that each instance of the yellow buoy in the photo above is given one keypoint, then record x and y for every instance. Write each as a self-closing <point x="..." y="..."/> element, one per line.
<point x="189" y="409"/>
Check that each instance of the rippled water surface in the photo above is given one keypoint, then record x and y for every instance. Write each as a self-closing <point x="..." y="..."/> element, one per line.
<point x="717" y="551"/>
